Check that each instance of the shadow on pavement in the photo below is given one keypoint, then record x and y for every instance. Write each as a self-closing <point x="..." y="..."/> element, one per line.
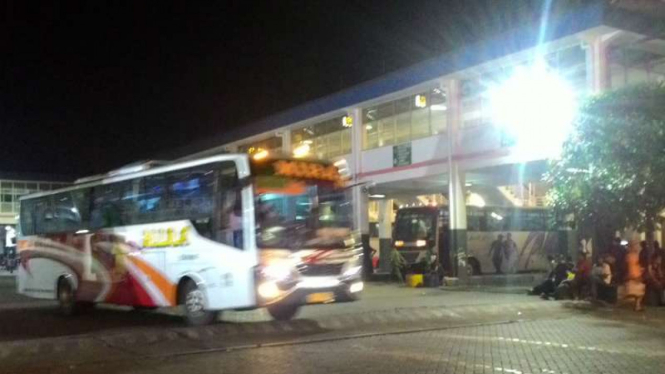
<point x="36" y="323"/>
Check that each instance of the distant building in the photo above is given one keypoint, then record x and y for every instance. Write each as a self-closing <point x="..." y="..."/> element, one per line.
<point x="14" y="185"/>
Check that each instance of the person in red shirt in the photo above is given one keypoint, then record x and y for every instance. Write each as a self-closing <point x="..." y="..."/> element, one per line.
<point x="582" y="279"/>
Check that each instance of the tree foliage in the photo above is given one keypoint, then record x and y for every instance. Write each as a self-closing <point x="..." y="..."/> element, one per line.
<point x="612" y="170"/>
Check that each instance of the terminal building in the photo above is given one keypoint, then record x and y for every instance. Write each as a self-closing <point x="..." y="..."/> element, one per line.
<point x="471" y="128"/>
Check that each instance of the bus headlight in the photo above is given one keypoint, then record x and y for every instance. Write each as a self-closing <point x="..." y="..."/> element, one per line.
<point x="268" y="290"/>
<point x="278" y="271"/>
<point x="421" y="243"/>
<point x="356" y="287"/>
<point x="399" y="243"/>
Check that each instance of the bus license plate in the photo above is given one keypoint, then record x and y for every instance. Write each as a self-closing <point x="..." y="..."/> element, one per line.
<point x="320" y="297"/>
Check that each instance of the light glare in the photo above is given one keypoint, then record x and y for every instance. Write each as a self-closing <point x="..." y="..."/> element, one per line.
<point x="536" y="107"/>
<point x="301" y="150"/>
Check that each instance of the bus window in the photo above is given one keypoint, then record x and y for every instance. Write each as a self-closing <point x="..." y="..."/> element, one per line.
<point x="415" y="225"/>
<point x="476" y="219"/>
<point x="66" y="215"/>
<point x="152" y="203"/>
<point x="498" y="219"/>
<point x="191" y="195"/>
<point x="107" y="206"/>
<point x="229" y="211"/>
<point x="27" y="217"/>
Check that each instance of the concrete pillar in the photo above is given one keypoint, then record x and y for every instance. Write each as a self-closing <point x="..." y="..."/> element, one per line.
<point x="457" y="221"/>
<point x="286" y="141"/>
<point x="361" y="225"/>
<point x="597" y="66"/>
<point x="456" y="193"/>
<point x="597" y="61"/>
<point x="385" y="234"/>
<point x="360" y="206"/>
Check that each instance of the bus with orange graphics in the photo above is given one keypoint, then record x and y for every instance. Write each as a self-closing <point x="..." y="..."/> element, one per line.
<point x="227" y="232"/>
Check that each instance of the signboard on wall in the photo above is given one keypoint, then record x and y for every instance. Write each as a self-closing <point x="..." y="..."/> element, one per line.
<point x="402" y="154"/>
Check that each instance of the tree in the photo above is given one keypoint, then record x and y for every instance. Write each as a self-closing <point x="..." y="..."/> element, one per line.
<point x="611" y="174"/>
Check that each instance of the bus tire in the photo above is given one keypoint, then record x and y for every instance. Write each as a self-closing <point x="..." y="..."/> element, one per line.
<point x="283" y="312"/>
<point x="192" y="299"/>
<point x="66" y="297"/>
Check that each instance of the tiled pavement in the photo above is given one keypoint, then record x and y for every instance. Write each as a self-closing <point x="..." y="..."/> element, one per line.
<point x="572" y="345"/>
<point x="384" y="310"/>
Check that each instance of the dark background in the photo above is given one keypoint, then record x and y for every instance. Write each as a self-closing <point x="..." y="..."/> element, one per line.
<point x="86" y="87"/>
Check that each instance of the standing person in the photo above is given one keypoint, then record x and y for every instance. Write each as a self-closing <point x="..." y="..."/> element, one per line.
<point x="582" y="275"/>
<point x="496" y="253"/>
<point x="510" y="251"/>
<point x="655" y="279"/>
<point x="634" y="284"/>
<point x="644" y="255"/>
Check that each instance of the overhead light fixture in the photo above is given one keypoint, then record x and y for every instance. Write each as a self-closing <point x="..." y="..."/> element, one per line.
<point x="347" y="121"/>
<point x="439" y="107"/>
<point x="368" y="127"/>
<point x="420" y="101"/>
<point x="377" y="196"/>
<point x="260" y="154"/>
<point x="301" y="150"/>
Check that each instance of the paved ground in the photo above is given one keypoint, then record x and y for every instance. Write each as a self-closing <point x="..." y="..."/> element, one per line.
<point x="393" y="329"/>
<point x="554" y="346"/>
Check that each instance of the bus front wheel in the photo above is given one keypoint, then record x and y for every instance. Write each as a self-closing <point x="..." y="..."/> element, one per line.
<point x="66" y="297"/>
<point x="283" y="312"/>
<point x="193" y="301"/>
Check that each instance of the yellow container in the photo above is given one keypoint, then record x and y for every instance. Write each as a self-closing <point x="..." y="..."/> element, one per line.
<point x="414" y="280"/>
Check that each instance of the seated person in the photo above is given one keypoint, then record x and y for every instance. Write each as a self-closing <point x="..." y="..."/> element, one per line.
<point x="601" y="280"/>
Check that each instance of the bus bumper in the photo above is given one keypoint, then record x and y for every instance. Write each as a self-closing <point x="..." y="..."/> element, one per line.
<point x="319" y="290"/>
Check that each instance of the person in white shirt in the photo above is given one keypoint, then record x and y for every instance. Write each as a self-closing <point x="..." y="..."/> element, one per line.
<point x="601" y="278"/>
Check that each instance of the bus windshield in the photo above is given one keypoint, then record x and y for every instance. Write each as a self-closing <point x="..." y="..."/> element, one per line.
<point x="417" y="224"/>
<point x="316" y="215"/>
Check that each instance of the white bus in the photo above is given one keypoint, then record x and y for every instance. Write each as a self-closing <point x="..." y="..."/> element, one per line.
<point x="224" y="232"/>
<point x="423" y="230"/>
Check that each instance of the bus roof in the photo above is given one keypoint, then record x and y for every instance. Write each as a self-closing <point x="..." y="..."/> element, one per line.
<point x="118" y="176"/>
<point x="145" y="168"/>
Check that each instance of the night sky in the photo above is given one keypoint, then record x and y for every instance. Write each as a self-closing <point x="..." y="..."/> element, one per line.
<point x="86" y="87"/>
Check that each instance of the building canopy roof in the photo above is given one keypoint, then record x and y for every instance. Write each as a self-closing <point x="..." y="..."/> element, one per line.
<point x="468" y="56"/>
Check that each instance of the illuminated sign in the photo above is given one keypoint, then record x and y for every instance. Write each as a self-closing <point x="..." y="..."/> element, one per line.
<point x="307" y="170"/>
<point x="160" y="238"/>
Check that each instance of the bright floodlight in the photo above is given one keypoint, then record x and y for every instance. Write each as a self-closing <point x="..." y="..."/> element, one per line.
<point x="536" y="107"/>
<point x="475" y="200"/>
